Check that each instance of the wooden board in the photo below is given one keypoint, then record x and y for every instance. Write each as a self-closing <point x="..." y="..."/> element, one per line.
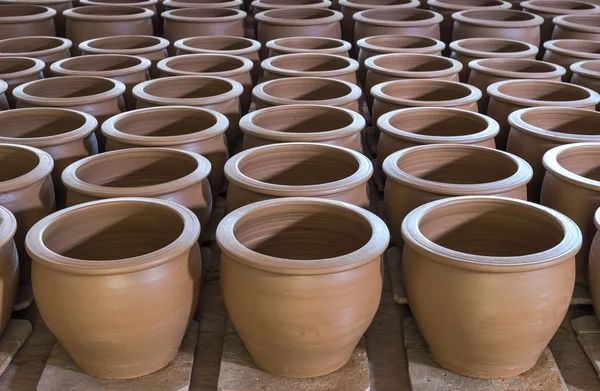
<point x="587" y="329"/>
<point x="239" y="373"/>
<point x="12" y="339"/>
<point x="62" y="374"/>
<point x="393" y="258"/>
<point x="24" y="298"/>
<point x="426" y="375"/>
<point x="581" y="295"/>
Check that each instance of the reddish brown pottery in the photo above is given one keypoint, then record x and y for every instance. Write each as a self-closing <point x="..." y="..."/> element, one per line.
<point x="587" y="74"/>
<point x="18" y="70"/>
<point x="21" y="20"/>
<point x="405" y="21"/>
<point x="173" y="4"/>
<point x="594" y="273"/>
<point x="565" y="52"/>
<point x="9" y="266"/>
<point x="266" y="5"/>
<point x="148" y="4"/>
<point x="310" y="65"/>
<point x="293" y="45"/>
<point x="576" y="27"/>
<point x="3" y="100"/>
<point x="47" y="49"/>
<point x="58" y="5"/>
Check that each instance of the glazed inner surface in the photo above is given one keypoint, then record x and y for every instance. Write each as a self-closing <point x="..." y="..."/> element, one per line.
<point x="63" y="88"/>
<point x="39" y="125"/>
<point x="205" y="64"/>
<point x="12" y="10"/>
<point x="16" y="162"/>
<point x="426" y="92"/>
<point x="302" y="90"/>
<point x="205" y="12"/>
<point x="491" y="229"/>
<point x="544" y="91"/>
<point x="95" y="63"/>
<point x="584" y="162"/>
<point x="113" y="231"/>
<point x="437" y="123"/>
<point x="518" y="65"/>
<point x="187" y="88"/>
<point x="218" y="43"/>
<point x="26" y="44"/>
<point x="303" y="232"/>
<point x="12" y="65"/>
<point x="109" y="10"/>
<point x="500" y="15"/>
<point x="579" y="45"/>
<point x="165" y="123"/>
<point x="565" y="121"/>
<point x="309" y="43"/>
<point x="398" y="14"/>
<point x="310" y="120"/>
<point x="300" y="13"/>
<point x="401" y="42"/>
<point x="118" y="43"/>
<point x="414" y="63"/>
<point x="494" y="46"/>
<point x="309" y="63"/>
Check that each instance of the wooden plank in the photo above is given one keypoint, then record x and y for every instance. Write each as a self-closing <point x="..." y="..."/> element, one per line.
<point x="588" y="334"/>
<point x="393" y="257"/>
<point x="12" y="339"/>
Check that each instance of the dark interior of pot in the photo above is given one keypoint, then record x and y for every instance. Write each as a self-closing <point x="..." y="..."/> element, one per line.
<point x="583" y="161"/>
<point x="60" y="87"/>
<point x="398" y="14"/>
<point x="309" y="63"/>
<point x="302" y="120"/>
<point x="473" y="3"/>
<point x="494" y="45"/>
<point x="426" y="91"/>
<point x="217" y="2"/>
<point x="518" y="65"/>
<point x="564" y="5"/>
<point x="309" y="43"/>
<point x="13" y="65"/>
<point x="121" y="1"/>
<point x="303" y="232"/>
<point x="118" y="43"/>
<point x="205" y="64"/>
<point x="438" y="123"/>
<point x="187" y="88"/>
<point x="299" y="13"/>
<point x="29" y="44"/>
<point x="500" y="15"/>
<point x="577" y="122"/>
<point x="16" y="162"/>
<point x="12" y="10"/>
<point x="109" y="10"/>
<point x="579" y="45"/>
<point x="99" y="63"/>
<point x="414" y="63"/>
<point x="291" y="2"/>
<point x="205" y="12"/>
<point x="302" y="90"/>
<point x="544" y="91"/>
<point x="40" y="123"/>
<point x="400" y="41"/>
<point x="165" y="123"/>
<point x="218" y="43"/>
<point x="113" y="231"/>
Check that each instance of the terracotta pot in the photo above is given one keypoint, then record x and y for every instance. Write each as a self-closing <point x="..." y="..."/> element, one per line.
<point x="587" y="74"/>
<point x="311" y="65"/>
<point x="566" y="52"/>
<point x="22" y="20"/>
<point x="307" y="90"/>
<point x="498" y="23"/>
<point x="400" y="21"/>
<point x="129" y="70"/>
<point x="18" y="70"/>
<point x="293" y="45"/>
<point x="151" y="48"/>
<point x="210" y="92"/>
<point x="398" y="66"/>
<point x="303" y="123"/>
<point x="174" y="4"/>
<point x="148" y="4"/>
<point x="576" y="27"/>
<point x="191" y="129"/>
<point x="9" y="266"/>
<point x="95" y="21"/>
<point x="222" y="65"/>
<point x="425" y="173"/>
<point x="384" y="44"/>
<point x="66" y="135"/>
<point x="266" y="5"/>
<point x="508" y="96"/>
<point x="536" y="130"/>
<point x="26" y="190"/>
<point x="506" y="256"/>
<point x="487" y="71"/>
<point x="287" y="275"/>
<point x="467" y="50"/>
<point x="47" y="49"/>
<point x="405" y="128"/>
<point x="58" y="5"/>
<point x="297" y="22"/>
<point x="3" y="99"/>
<point x="593" y="266"/>
<point x="151" y="247"/>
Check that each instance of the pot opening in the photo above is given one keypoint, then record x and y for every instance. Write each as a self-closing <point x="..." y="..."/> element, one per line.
<point x="13" y="10"/>
<point x="539" y="90"/>
<point x="426" y="92"/>
<point x="218" y="43"/>
<point x="309" y="63"/>
<point x="39" y="124"/>
<point x="28" y="44"/>
<point x="518" y="65"/>
<point x="121" y="1"/>
<point x="438" y="123"/>
<point x="579" y="45"/>
<point x="99" y="63"/>
<point x="299" y="13"/>
<point x="13" y="65"/>
<point x="60" y="87"/>
<point x="16" y="162"/>
<point x="589" y="21"/>
<point x="302" y="90"/>
<point x="584" y="162"/>
<point x="379" y="2"/>
<point x="564" y="121"/>
<point x="500" y="15"/>
<point x="109" y="10"/>
<point x="113" y="231"/>
<point x="187" y="88"/>
<point x="291" y="2"/>
<point x="316" y="43"/>
<point x="119" y="43"/>
<point x="165" y="123"/>
<point x="564" y="5"/>
<point x="473" y="3"/>
<point x="593" y="66"/>
<point x="216" y="2"/>
<point x="205" y="64"/>
<point x="493" y="46"/>
<point x="398" y="14"/>
<point x="401" y="41"/>
<point x="205" y="12"/>
<point x="307" y="120"/>
<point x="414" y="63"/>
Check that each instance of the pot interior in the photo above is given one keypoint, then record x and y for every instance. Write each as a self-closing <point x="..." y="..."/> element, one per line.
<point x="593" y="66"/>
<point x="426" y="92"/>
<point x="60" y="87"/>
<point x="217" y="3"/>
<point x="414" y="63"/>
<point x="372" y="3"/>
<point x="165" y="123"/>
<point x="187" y="88"/>
<point x="499" y="15"/>
<point x="119" y="43"/>
<point x="40" y="123"/>
<point x="309" y="63"/>
<point x="472" y="3"/>
<point x="16" y="162"/>
<point x="307" y="90"/>
<point x="205" y="64"/>
<point x="299" y="13"/>
<point x="99" y="63"/>
<point x="291" y="2"/>
<point x="518" y="65"/>
<point x="109" y="10"/>
<point x="398" y="14"/>
<point x="583" y="161"/>
<point x="12" y="10"/>
<point x="579" y="45"/>
<point x="12" y="65"/>
<point x="576" y="122"/>
<point x="218" y="43"/>
<point x="205" y="13"/>
<point x="120" y="1"/>
<point x="316" y="43"/>
<point x="590" y="20"/>
<point x="29" y="44"/>
<point x="544" y="91"/>
<point x="438" y="123"/>
<point x="401" y="41"/>
<point x="493" y="45"/>
<point x="563" y="5"/>
<point x="302" y="120"/>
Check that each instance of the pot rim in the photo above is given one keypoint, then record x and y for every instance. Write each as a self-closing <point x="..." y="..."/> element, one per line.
<point x="110" y="128"/>
<point x="482" y="65"/>
<point x="259" y="5"/>
<point x="276" y="45"/>
<point x="39" y="2"/>
<point x="534" y="5"/>
<point x="579" y="68"/>
<point x="359" y="177"/>
<point x="373" y="249"/>
<point x="64" y="45"/>
<point x="456" y="46"/>
<point x="87" y="46"/>
<point x="45" y="13"/>
<point x="364" y="43"/>
<point x="42" y="170"/>
<point x="454" y="68"/>
<point x="519" y="178"/>
<point x="165" y="67"/>
<point x="271" y="17"/>
<point x="182" y="44"/>
<point x="58" y="68"/>
<point x="516" y="121"/>
<point x="564" y="21"/>
<point x="234" y="93"/>
<point x="3" y="87"/>
<point x="492" y="129"/>
<point x="473" y="96"/>
<point x="8" y="228"/>
<point x="364" y="17"/>
<point x="87" y="128"/>
<point x="259" y="93"/>
<point x="441" y="4"/>
<point x="465" y="17"/>
<point x="248" y="126"/>
<point x="37" y="67"/>
<point x="267" y="65"/>
<point x="362" y="6"/>
<point x="597" y="219"/>
<point x="40" y="253"/>
<point x="73" y="183"/>
<point x="141" y="4"/>
<point x="117" y="90"/>
<point x="75" y="14"/>
<point x="173" y="15"/>
<point x="493" y="91"/>
<point x="229" y="4"/>
<point x="563" y="251"/>
<point x="551" y="164"/>
<point x="551" y="46"/>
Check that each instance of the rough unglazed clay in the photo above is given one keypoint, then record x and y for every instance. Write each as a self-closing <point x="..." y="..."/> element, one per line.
<point x="9" y="266"/>
<point x="307" y="260"/>
<point x="126" y="329"/>
<point x="190" y="129"/>
<point x="47" y="49"/>
<point x="594" y="272"/>
<point x="405" y="21"/>
<point x="566" y="52"/>
<point x="586" y="73"/>
<point x="22" y="20"/>
<point x="266" y="5"/>
<point x="173" y="4"/>
<point x="18" y="70"/>
<point x="291" y="45"/>
<point x="57" y="5"/>
<point x="500" y="278"/>
<point x="576" y="27"/>
<point x="3" y="100"/>
<point x="327" y="66"/>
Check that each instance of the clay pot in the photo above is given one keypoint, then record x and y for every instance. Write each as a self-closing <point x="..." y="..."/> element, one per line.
<point x="487" y="71"/>
<point x="536" y="130"/>
<point x="150" y="247"/>
<point x="23" y="20"/>
<point x="191" y="129"/>
<point x="303" y="123"/>
<point x="307" y="90"/>
<point x="26" y="190"/>
<point x="19" y="70"/>
<point x="593" y="266"/>
<point x="9" y="266"/>
<point x="508" y="96"/>
<point x="266" y="5"/>
<point x="151" y="48"/>
<point x="3" y="100"/>
<point x="95" y="21"/>
<point x="216" y="93"/>
<point x="566" y="52"/>
<point x="222" y="65"/>
<point x="576" y="27"/>
<point x="293" y="45"/>
<point x="66" y="135"/>
<point x="467" y="50"/>
<point x="405" y="128"/>
<point x="587" y="74"/>
<point x="400" y="21"/>
<point x="174" y="4"/>
<point x="425" y="173"/>
<point x="58" y="5"/>
<point x="129" y="70"/>
<point x="498" y="23"/>
<point x="507" y="257"/>
<point x="274" y="279"/>
<point x="310" y="65"/>
<point x="47" y="49"/>
<point x="148" y="4"/>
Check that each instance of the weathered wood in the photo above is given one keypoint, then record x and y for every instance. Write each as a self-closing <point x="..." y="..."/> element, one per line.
<point x="12" y="339"/>
<point x="588" y="335"/>
<point x="581" y="295"/>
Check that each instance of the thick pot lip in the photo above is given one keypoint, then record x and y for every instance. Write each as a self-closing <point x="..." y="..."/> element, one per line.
<point x="519" y="178"/>
<point x="563" y="251"/>
<point x="268" y="66"/>
<point x="580" y="69"/>
<point x="65" y="44"/>
<point x="117" y="90"/>
<point x="441" y="4"/>
<point x="88" y="46"/>
<point x="454" y="66"/>
<point x="569" y="21"/>
<point x="248" y="126"/>
<point x="546" y="6"/>
<point x="259" y="5"/>
<point x="487" y="66"/>
<point x="42" y="254"/>
<point x="184" y="45"/>
<point x="274" y="17"/>
<point x="597" y="219"/>
<point x="493" y="91"/>
<point x="516" y="121"/>
<point x="553" y="46"/>
<point x="259" y="92"/>
<point x="366" y="17"/>
<point x="42" y="13"/>
<point x="3" y="87"/>
<point x="551" y="164"/>
<point x="226" y="4"/>
<point x="468" y="18"/>
<point x="143" y="4"/>
<point x="76" y="14"/>
<point x="362" y="6"/>
<point x="166" y="65"/>
<point x="37" y="66"/>
<point x="58" y="67"/>
<point x="457" y="46"/>
<point x="490" y="131"/>
<point x="179" y="15"/>
<point x="8" y="228"/>
<point x="278" y="45"/>
<point x="90" y="124"/>
<point x="74" y="183"/>
<point x="473" y="95"/>
<point x="42" y="170"/>
<point x="373" y="249"/>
